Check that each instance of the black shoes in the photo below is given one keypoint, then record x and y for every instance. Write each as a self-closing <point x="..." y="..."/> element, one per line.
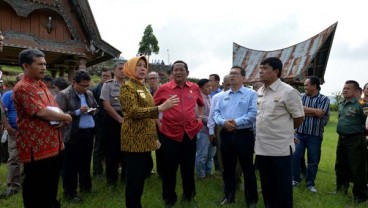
<point x="73" y="198"/>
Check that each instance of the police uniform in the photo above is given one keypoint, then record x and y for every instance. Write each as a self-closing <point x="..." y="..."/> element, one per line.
<point x="110" y="92"/>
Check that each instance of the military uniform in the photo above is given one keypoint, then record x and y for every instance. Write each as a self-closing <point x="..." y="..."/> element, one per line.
<point x="351" y="149"/>
<point x="110" y="92"/>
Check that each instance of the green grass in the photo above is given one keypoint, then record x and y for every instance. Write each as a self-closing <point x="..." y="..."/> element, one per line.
<point x="210" y="192"/>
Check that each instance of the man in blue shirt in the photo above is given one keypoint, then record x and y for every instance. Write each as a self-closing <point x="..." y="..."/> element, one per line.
<point x="309" y="134"/>
<point x="236" y="112"/>
<point x="78" y="102"/>
<point x="15" y="167"/>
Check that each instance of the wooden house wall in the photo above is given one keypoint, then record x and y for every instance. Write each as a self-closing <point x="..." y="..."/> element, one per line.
<point x="34" y="24"/>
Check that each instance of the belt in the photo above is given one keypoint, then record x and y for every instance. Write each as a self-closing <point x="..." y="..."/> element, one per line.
<point x="90" y="130"/>
<point x="245" y="130"/>
<point x="344" y="136"/>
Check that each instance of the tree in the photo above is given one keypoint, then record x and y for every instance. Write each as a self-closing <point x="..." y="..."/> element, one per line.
<point x="149" y="43"/>
<point x="337" y="96"/>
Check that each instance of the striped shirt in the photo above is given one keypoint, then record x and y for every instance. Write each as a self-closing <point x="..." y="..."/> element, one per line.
<point x="313" y="125"/>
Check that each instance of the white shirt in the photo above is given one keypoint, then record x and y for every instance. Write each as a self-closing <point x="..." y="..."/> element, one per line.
<point x="277" y="105"/>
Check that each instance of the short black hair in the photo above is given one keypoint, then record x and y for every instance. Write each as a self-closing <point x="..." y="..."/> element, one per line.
<point x="217" y="77"/>
<point x="81" y="75"/>
<point x="354" y="83"/>
<point x="315" y="81"/>
<point x="242" y="70"/>
<point x="180" y="62"/>
<point x="107" y="70"/>
<point x="202" y="82"/>
<point x="60" y="83"/>
<point x="27" y="56"/>
<point x="275" y="63"/>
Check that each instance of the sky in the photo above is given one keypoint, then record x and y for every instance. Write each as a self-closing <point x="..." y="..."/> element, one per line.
<point x="202" y="32"/>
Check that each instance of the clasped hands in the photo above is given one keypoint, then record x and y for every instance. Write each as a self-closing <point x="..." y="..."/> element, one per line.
<point x="230" y="125"/>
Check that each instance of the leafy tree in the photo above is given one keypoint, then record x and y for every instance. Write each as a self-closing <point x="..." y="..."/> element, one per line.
<point x="337" y="96"/>
<point x="149" y="43"/>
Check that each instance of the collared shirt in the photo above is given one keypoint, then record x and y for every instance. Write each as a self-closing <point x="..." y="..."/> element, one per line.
<point x="351" y="118"/>
<point x="138" y="131"/>
<point x="277" y="105"/>
<point x="206" y="113"/>
<point x="10" y="108"/>
<point x="218" y="90"/>
<point x="86" y="120"/>
<point x="35" y="136"/>
<point x="313" y="125"/>
<point x="211" y="122"/>
<point x="240" y="106"/>
<point x="180" y="119"/>
<point x="110" y="92"/>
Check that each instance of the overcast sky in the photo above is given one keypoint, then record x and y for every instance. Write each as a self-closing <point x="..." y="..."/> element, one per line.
<point x="201" y="32"/>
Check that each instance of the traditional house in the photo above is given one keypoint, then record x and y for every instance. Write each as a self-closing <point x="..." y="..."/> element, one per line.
<point x="300" y="61"/>
<point x="64" y="30"/>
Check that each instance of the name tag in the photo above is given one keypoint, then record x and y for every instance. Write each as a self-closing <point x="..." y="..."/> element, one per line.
<point x="40" y="93"/>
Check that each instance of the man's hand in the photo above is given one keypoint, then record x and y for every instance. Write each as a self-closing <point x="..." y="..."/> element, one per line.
<point x="319" y="113"/>
<point x="229" y="125"/>
<point x="212" y="137"/>
<point x="12" y="131"/>
<point x="84" y="109"/>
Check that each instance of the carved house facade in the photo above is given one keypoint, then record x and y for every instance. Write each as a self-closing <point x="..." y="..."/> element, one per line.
<point x="65" y="30"/>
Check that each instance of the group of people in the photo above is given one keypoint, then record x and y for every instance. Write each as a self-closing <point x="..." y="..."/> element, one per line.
<point x="121" y="121"/>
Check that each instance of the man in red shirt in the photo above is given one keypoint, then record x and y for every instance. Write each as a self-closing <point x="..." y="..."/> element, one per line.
<point x="179" y="126"/>
<point x="39" y="137"/>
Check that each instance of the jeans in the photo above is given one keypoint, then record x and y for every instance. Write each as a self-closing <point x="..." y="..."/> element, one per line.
<point x="313" y="146"/>
<point x="204" y="155"/>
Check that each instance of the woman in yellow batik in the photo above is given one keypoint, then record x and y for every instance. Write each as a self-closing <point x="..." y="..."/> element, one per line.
<point x="138" y="132"/>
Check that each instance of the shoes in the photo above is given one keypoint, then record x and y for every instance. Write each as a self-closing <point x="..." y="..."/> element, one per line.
<point x="295" y="183"/>
<point x="312" y="189"/>
<point x="360" y="199"/>
<point x="72" y="198"/>
<point x="169" y="204"/>
<point x="8" y="193"/>
<point x="252" y="205"/>
<point x="227" y="201"/>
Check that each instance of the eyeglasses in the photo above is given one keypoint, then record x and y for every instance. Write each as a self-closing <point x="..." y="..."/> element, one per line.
<point x="152" y="78"/>
<point x="85" y="86"/>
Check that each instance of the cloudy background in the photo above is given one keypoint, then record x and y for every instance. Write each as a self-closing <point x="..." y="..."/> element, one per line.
<point x="201" y="32"/>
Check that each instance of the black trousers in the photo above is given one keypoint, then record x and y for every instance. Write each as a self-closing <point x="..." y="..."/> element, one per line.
<point x="98" y="147"/>
<point x="77" y="163"/>
<point x="40" y="185"/>
<point x="276" y="181"/>
<point x="114" y="155"/>
<point x="175" y="154"/>
<point x="135" y="163"/>
<point x="159" y="157"/>
<point x="239" y="144"/>
<point x="351" y="164"/>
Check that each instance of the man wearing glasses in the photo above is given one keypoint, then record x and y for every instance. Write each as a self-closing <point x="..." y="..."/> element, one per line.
<point x="79" y="102"/>
<point x="236" y="112"/>
<point x="153" y="80"/>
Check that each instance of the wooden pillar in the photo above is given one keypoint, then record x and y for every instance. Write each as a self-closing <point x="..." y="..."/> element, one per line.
<point x="82" y="63"/>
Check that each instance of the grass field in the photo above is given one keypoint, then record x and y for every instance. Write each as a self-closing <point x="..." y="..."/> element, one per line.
<point x="209" y="191"/>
